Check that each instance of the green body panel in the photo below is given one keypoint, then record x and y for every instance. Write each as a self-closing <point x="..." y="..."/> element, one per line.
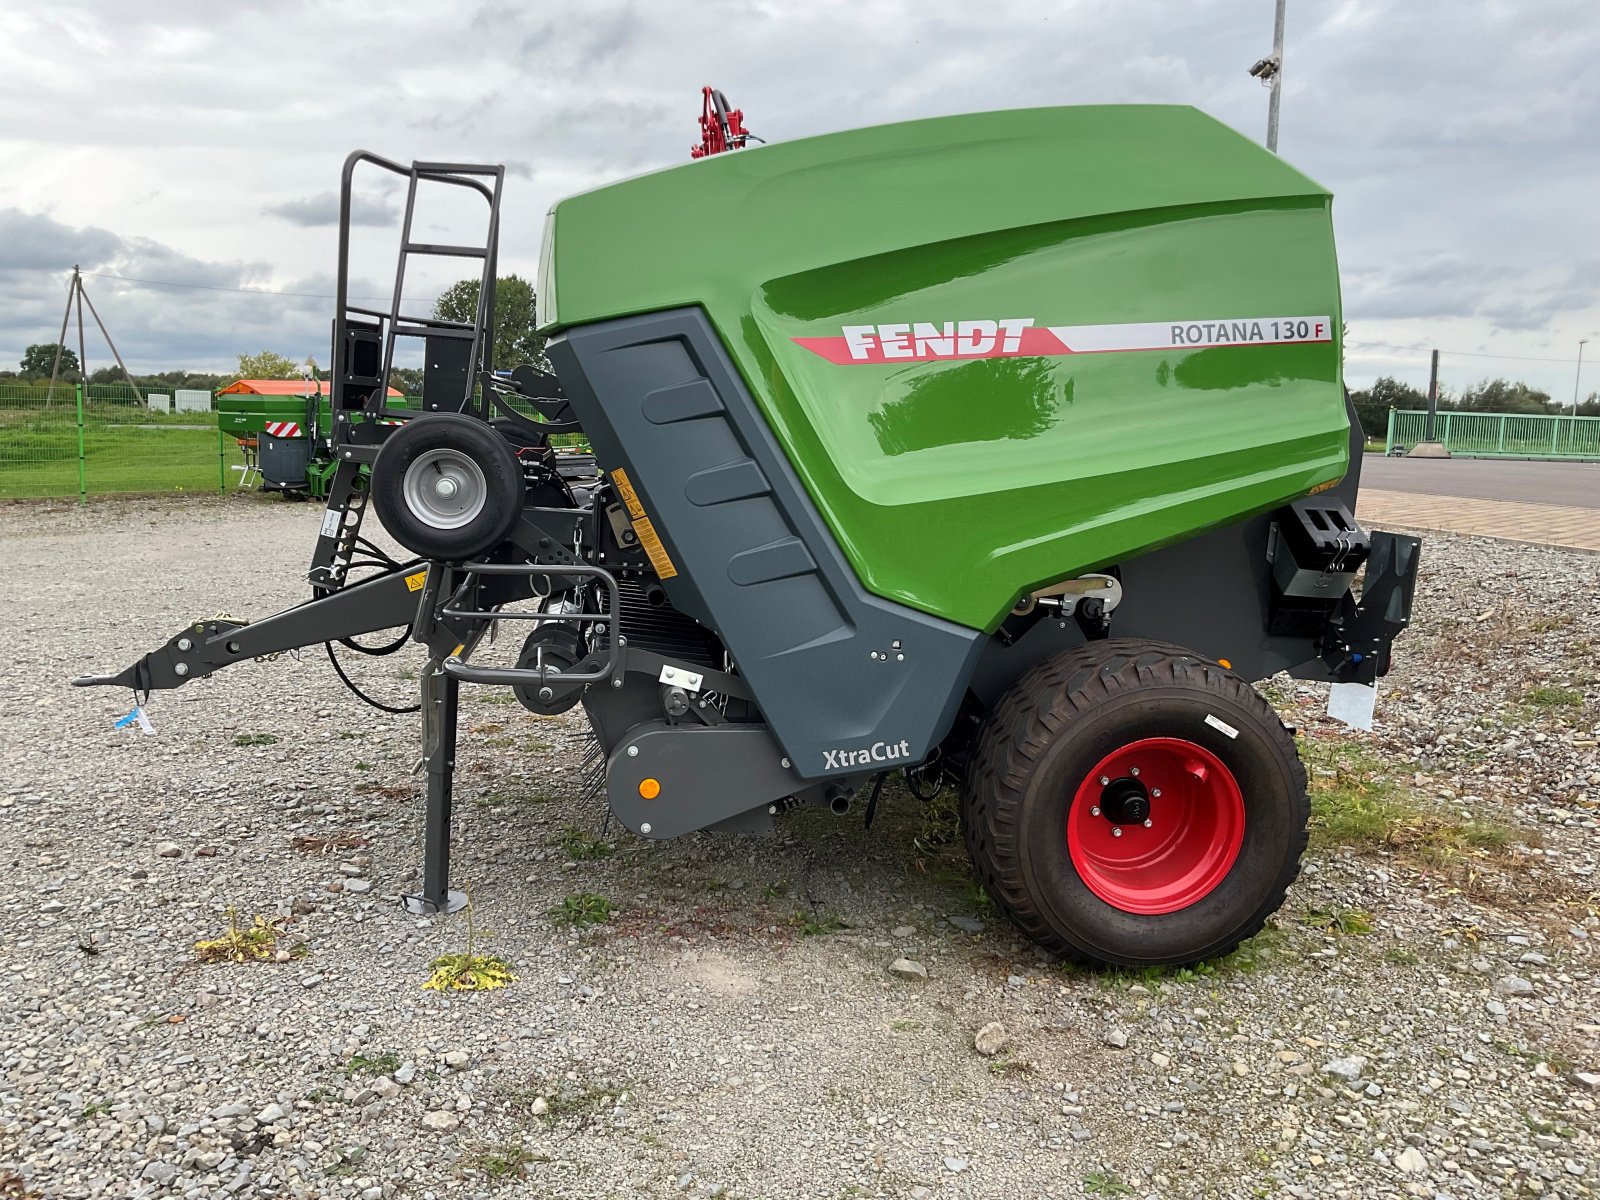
<point x="954" y="484"/>
<point x="245" y="414"/>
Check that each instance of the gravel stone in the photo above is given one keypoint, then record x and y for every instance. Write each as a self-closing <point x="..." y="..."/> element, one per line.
<point x="991" y="1039"/>
<point x="1411" y="1161"/>
<point x="1513" y="985"/>
<point x="1347" y="1069"/>
<point x="127" y="1068"/>
<point x="908" y="968"/>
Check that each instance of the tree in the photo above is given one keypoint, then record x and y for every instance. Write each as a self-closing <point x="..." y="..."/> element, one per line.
<point x="1373" y="405"/>
<point x="1503" y="396"/>
<point x="515" y="318"/>
<point x="268" y="365"/>
<point x="406" y="380"/>
<point x="39" y="358"/>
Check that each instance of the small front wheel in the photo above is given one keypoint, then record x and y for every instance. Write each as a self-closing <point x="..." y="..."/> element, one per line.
<point x="447" y="486"/>
<point x="1133" y="803"/>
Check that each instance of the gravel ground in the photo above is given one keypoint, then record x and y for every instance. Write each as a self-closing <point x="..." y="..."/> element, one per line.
<point x="1418" y="1021"/>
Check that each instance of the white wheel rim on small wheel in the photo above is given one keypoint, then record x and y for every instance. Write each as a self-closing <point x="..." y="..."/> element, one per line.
<point x="444" y="489"/>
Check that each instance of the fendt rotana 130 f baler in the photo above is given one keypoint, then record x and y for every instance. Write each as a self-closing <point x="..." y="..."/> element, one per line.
<point x="1007" y="450"/>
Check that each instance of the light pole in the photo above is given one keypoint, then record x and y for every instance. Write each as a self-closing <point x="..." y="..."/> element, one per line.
<point x="1578" y="375"/>
<point x="1270" y="72"/>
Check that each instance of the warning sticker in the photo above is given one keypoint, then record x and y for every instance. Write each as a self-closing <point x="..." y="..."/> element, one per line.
<point x="648" y="538"/>
<point x="630" y="498"/>
<point x="416" y="579"/>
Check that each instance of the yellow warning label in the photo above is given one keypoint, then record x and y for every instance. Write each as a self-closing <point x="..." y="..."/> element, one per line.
<point x="416" y="579"/>
<point x="1322" y="487"/>
<point x="630" y="498"/>
<point x="651" y="541"/>
<point x="648" y="537"/>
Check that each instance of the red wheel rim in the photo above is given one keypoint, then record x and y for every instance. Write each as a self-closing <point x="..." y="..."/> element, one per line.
<point x="1156" y="825"/>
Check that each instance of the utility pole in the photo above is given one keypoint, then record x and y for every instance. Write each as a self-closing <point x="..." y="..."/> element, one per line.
<point x="1433" y="398"/>
<point x="1270" y="72"/>
<point x="76" y="294"/>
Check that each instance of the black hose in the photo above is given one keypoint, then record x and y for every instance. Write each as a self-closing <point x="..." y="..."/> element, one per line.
<point x="359" y="694"/>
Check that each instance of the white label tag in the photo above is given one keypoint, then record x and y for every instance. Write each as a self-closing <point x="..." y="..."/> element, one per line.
<point x="136" y="717"/>
<point x="1221" y="726"/>
<point x="687" y="680"/>
<point x="1353" y="703"/>
<point x="330" y="522"/>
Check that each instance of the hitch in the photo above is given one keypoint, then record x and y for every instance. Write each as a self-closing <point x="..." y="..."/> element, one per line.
<point x="196" y="650"/>
<point x="1360" y="635"/>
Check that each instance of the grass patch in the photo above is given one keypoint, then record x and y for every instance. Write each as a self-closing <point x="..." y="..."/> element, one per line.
<point x="242" y="943"/>
<point x="579" y="846"/>
<point x="582" y="909"/>
<point x="1354" y="803"/>
<point x="255" y="739"/>
<point x="503" y="1163"/>
<point x="819" y="925"/>
<point x="1399" y="956"/>
<point x="386" y="1063"/>
<point x="1345" y="922"/>
<point x="1547" y="697"/>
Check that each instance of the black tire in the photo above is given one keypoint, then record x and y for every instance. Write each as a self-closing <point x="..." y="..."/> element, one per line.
<point x="1051" y="729"/>
<point x="478" y="457"/>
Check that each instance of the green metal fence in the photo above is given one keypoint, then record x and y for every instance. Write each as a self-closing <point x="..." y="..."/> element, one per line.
<point x="1499" y="435"/>
<point x="101" y="439"/>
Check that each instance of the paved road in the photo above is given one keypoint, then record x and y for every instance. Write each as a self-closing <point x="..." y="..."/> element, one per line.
<point x="1572" y="484"/>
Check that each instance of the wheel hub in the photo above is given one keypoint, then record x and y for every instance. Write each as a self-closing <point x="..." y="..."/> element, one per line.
<point x="1125" y="801"/>
<point x="445" y="488"/>
<point x="1156" y="825"/>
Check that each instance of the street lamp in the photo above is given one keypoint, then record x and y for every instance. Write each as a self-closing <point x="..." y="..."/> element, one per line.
<point x="1578" y="375"/>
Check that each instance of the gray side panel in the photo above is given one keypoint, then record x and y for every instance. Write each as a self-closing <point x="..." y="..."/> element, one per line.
<point x="834" y="668"/>
<point x="707" y="776"/>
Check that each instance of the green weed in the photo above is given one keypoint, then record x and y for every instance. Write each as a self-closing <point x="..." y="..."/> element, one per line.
<point x="819" y="925"/>
<point x="386" y="1063"/>
<point x="1105" y="1183"/>
<point x="504" y="1162"/>
<point x="579" y="846"/>
<point x="1338" y="920"/>
<point x="582" y="909"/>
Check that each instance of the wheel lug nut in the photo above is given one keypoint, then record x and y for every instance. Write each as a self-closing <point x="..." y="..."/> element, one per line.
<point x="1105" y="781"/>
<point x="1133" y="770"/>
<point x="1116" y="831"/>
<point x="1148" y="823"/>
<point x="1155" y="793"/>
<point x="1095" y="811"/>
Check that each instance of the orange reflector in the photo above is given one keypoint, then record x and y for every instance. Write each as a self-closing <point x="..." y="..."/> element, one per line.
<point x="1224" y="664"/>
<point x="649" y="788"/>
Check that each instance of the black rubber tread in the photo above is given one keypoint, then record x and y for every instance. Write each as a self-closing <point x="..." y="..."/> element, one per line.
<point x="1054" y="703"/>
<point x="502" y="476"/>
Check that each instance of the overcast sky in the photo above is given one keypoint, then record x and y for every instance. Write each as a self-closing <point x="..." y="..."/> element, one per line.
<point x="200" y="143"/>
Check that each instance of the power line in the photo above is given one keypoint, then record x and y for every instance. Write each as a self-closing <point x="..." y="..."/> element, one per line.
<point x="1454" y="353"/>
<point x="201" y="287"/>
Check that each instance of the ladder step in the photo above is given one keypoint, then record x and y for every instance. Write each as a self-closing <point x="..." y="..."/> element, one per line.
<point x="426" y="331"/>
<point x="435" y="322"/>
<point x="445" y="251"/>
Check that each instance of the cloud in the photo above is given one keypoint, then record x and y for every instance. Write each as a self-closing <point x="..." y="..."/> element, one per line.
<point x="323" y="209"/>
<point x="1457" y="139"/>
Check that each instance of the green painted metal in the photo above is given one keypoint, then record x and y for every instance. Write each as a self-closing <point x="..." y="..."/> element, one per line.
<point x="954" y="484"/>
<point x="1500" y="435"/>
